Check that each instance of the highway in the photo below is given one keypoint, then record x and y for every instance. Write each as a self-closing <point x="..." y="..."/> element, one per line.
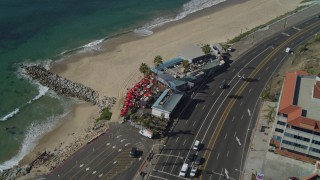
<point x="222" y="119"/>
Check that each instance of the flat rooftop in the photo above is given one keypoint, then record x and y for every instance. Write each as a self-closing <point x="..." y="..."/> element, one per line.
<point x="303" y="97"/>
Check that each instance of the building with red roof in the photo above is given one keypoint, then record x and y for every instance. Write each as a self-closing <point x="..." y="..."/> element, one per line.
<point x="296" y="132"/>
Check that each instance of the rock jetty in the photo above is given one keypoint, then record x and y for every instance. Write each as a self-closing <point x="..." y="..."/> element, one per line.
<point x="66" y="87"/>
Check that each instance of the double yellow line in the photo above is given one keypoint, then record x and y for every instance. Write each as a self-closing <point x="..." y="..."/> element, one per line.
<point x="240" y="90"/>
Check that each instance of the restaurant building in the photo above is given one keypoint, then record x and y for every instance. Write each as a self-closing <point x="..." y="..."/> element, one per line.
<point x="296" y="132"/>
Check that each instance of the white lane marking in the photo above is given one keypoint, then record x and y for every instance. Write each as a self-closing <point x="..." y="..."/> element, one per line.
<point x="218" y="155"/>
<point x="225" y="136"/>
<point x="100" y="175"/>
<point x="235" y="134"/>
<point x="250" y="90"/>
<point x="204" y="107"/>
<point x="217" y="110"/>
<point x="194" y="123"/>
<point x="213" y="93"/>
<point x="233" y="70"/>
<point x="168" y="174"/>
<point x="286" y="34"/>
<point x="184" y="142"/>
<point x="298" y="29"/>
<point x="114" y="162"/>
<point x="175" y="162"/>
<point x="166" y="160"/>
<point x="88" y="168"/>
<point x="238" y="140"/>
<point x="242" y="116"/>
<point x="228" y="154"/>
<point x="241" y="104"/>
<point x="210" y="176"/>
<point x="232" y="118"/>
<point x="177" y="139"/>
<point x="196" y="105"/>
<point x="158" y="177"/>
<point x="94" y="172"/>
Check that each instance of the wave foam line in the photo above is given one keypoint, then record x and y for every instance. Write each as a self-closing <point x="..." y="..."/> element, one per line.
<point x="188" y="8"/>
<point x="42" y="91"/>
<point x="33" y="135"/>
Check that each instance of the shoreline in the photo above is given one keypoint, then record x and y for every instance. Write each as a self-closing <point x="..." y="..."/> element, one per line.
<point x="166" y="41"/>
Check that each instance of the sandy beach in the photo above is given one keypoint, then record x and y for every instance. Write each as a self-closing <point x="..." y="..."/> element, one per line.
<point x="115" y="69"/>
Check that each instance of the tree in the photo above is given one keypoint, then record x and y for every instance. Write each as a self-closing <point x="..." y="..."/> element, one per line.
<point x="206" y="49"/>
<point x="157" y="60"/>
<point x="144" y="69"/>
<point x="185" y="64"/>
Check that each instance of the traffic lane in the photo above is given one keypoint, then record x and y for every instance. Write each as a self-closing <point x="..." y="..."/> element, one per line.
<point x="80" y="156"/>
<point x="120" y="142"/>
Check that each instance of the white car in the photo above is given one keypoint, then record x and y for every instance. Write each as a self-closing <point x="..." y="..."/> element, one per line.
<point x="193" y="171"/>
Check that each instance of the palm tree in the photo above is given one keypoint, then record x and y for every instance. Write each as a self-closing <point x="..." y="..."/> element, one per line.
<point x="157" y="60"/>
<point x="206" y="49"/>
<point x="144" y="68"/>
<point x="185" y="64"/>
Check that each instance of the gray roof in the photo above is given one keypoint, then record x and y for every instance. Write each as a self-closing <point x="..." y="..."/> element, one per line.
<point x="170" y="103"/>
<point x="166" y="64"/>
<point x="303" y="96"/>
<point x="191" y="52"/>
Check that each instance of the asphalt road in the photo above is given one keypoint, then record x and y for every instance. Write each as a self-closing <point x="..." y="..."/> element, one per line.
<point x="222" y="119"/>
<point x="107" y="157"/>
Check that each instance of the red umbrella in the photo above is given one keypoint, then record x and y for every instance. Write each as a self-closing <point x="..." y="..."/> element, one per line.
<point x="130" y="104"/>
<point x="146" y="94"/>
<point x="137" y="85"/>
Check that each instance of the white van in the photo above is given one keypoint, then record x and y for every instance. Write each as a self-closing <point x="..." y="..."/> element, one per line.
<point x="146" y="133"/>
<point x="196" y="145"/>
<point x="184" y="170"/>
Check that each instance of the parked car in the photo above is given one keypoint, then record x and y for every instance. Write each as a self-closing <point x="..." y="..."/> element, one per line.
<point x="184" y="169"/>
<point x="191" y="157"/>
<point x="196" y="145"/>
<point x="193" y="171"/>
<point x="198" y="161"/>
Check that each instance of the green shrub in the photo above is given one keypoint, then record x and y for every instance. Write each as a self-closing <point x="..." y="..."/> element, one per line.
<point x="105" y="115"/>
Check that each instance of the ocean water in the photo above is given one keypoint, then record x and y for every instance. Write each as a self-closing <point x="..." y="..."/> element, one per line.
<point x="42" y="31"/>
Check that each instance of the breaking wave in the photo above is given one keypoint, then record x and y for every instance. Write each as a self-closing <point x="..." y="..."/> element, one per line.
<point x="188" y="8"/>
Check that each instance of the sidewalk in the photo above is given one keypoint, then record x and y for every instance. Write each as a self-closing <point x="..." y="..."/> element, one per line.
<point x="273" y="166"/>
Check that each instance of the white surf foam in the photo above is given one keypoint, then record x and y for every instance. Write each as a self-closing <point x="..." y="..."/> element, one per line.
<point x="188" y="8"/>
<point x="34" y="133"/>
<point x="42" y="91"/>
<point x="10" y="115"/>
<point x="91" y="47"/>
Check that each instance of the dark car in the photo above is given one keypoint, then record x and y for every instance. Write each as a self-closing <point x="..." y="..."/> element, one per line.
<point x="223" y="85"/>
<point x="191" y="157"/>
<point x="198" y="161"/>
<point x="133" y="152"/>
